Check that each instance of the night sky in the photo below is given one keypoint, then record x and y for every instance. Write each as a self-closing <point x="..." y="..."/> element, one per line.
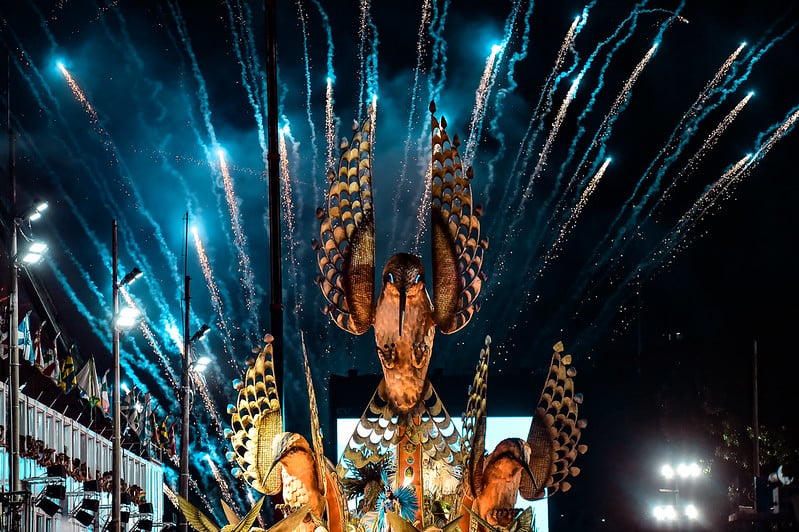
<point x="677" y="234"/>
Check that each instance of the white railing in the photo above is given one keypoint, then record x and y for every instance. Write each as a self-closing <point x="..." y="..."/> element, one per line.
<point x="67" y="437"/>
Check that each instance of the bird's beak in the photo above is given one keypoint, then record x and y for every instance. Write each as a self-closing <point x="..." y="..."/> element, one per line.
<point x="401" y="308"/>
<point x="271" y="467"/>
<point x="276" y="460"/>
<point x="527" y="469"/>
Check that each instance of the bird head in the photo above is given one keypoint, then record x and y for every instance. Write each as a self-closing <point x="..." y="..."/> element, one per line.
<point x="284" y="445"/>
<point x="403" y="277"/>
<point x="517" y="450"/>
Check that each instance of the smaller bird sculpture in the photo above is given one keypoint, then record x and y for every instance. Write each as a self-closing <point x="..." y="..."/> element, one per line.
<point x="275" y="462"/>
<point x="202" y="523"/>
<point x="497" y="485"/>
<point x="535" y="467"/>
<point x="306" y="476"/>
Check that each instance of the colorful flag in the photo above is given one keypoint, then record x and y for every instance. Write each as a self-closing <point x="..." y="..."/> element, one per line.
<point x="52" y="368"/>
<point x="155" y="429"/>
<point x="163" y="433"/>
<point x="68" y="379"/>
<point x="131" y="410"/>
<point x="88" y="382"/>
<point x="105" y="402"/>
<point x="38" y="355"/>
<point x="25" y="341"/>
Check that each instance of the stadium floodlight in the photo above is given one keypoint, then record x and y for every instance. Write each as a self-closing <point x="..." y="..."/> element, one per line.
<point x="691" y="512"/>
<point x="35" y="252"/>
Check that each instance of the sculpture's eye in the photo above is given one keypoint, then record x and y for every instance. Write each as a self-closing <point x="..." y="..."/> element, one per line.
<point x="391" y="278"/>
<point x="418" y="278"/>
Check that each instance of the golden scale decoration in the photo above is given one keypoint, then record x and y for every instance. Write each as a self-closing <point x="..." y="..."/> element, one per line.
<point x="406" y="468"/>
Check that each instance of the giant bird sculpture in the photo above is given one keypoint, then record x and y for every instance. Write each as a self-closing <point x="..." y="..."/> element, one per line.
<point x="275" y="462"/>
<point x="404" y="316"/>
<point x="535" y="467"/>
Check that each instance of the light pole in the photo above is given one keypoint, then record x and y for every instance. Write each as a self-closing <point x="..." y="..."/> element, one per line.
<point x="185" y="404"/>
<point x="116" y="466"/>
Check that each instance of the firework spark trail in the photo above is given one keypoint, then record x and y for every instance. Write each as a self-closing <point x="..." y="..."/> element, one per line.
<point x="618" y="105"/>
<point x="240" y="242"/>
<point x="365" y="6"/>
<point x="706" y="146"/>
<point x="669" y="246"/>
<point x="543" y="106"/>
<point x="223" y="485"/>
<point x="288" y="216"/>
<point x="131" y="243"/>
<point x="503" y="93"/>
<point x="248" y="79"/>
<point x="200" y="386"/>
<point x="436" y="80"/>
<point x="373" y="120"/>
<point x="371" y="63"/>
<point x="94" y="120"/>
<point x="171" y="495"/>
<point x="480" y="98"/>
<point x="676" y="239"/>
<point x="99" y="327"/>
<point x="600" y="137"/>
<point x="166" y="367"/>
<point x="668" y="154"/>
<point x="216" y="298"/>
<point x="401" y="184"/>
<point x="308" y="91"/>
<point x="202" y="90"/>
<point x="544" y="153"/>
<point x="330" y="121"/>
<point x="251" y="291"/>
<point x="330" y="128"/>
<point x="575" y="213"/>
<point x="201" y="493"/>
<point x="438" y="51"/>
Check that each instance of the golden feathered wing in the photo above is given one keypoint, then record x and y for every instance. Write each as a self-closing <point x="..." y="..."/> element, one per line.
<point x="474" y="425"/>
<point x="255" y="420"/>
<point x="202" y="523"/>
<point x="554" y="436"/>
<point x="346" y="249"/>
<point x="454" y="233"/>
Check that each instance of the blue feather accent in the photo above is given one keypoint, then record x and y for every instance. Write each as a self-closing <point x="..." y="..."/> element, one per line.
<point x="403" y="501"/>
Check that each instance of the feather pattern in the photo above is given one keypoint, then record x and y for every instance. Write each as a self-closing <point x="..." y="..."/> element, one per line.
<point x="316" y="428"/>
<point x="455" y="234"/>
<point x="203" y="523"/>
<point x="346" y="249"/>
<point x="555" y="432"/>
<point x="380" y="427"/>
<point x="474" y="424"/>
<point x="255" y="420"/>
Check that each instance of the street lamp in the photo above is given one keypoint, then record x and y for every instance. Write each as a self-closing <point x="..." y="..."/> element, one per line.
<point x="33" y="254"/>
<point x="120" y="321"/>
